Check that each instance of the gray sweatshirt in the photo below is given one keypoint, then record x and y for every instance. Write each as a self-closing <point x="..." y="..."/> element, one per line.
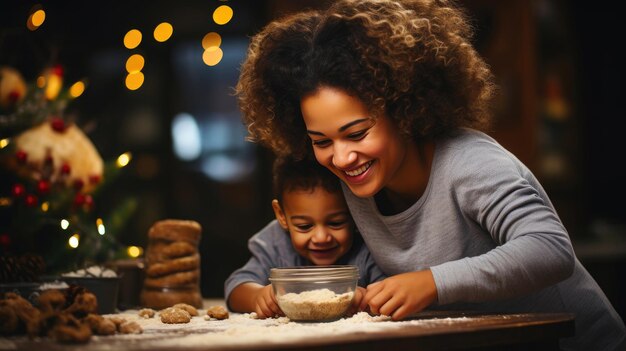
<point x="493" y="241"/>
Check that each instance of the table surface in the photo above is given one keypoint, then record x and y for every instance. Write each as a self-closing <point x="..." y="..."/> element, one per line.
<point x="424" y="331"/>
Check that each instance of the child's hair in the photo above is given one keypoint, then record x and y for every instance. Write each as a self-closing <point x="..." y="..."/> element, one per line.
<point x="409" y="60"/>
<point x="305" y="174"/>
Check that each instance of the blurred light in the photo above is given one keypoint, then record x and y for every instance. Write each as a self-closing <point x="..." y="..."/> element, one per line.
<point x="132" y="39"/>
<point x="134" y="80"/>
<point x="224" y="168"/>
<point x="73" y="241"/>
<point x="124" y="159"/>
<point x="77" y="89"/>
<point x="5" y="201"/>
<point x="211" y="39"/>
<point x="41" y="81"/>
<point x="163" y="31"/>
<point x="65" y="224"/>
<point x="45" y="206"/>
<point x="186" y="137"/>
<point x="53" y="86"/>
<point x="36" y="18"/>
<point x="134" y="251"/>
<point x="222" y="14"/>
<point x="4" y="143"/>
<point x="135" y="63"/>
<point x="212" y="56"/>
<point x="100" y="225"/>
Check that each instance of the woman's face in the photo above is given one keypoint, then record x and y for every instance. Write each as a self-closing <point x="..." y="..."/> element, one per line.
<point x="365" y="153"/>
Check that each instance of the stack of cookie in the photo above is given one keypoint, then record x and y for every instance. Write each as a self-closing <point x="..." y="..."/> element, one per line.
<point x="172" y="265"/>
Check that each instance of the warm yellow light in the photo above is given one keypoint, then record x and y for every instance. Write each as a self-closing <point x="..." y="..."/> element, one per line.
<point x="38" y="17"/>
<point x="100" y="225"/>
<point x="134" y="80"/>
<point x="45" y="206"/>
<point x="77" y="89"/>
<point x="53" y="86"/>
<point x="73" y="241"/>
<point x="222" y="14"/>
<point x="124" y="159"/>
<point x="211" y="39"/>
<point x="4" y="143"/>
<point x="65" y="224"/>
<point x="163" y="31"/>
<point x="134" y="63"/>
<point x="132" y="39"/>
<point x="212" y="56"/>
<point x="5" y="201"/>
<point x="134" y="251"/>
<point x="41" y="81"/>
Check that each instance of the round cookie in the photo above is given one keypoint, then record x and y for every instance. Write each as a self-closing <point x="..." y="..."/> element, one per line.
<point x="173" y="315"/>
<point x="176" y="230"/>
<point x="174" y="280"/>
<point x="180" y="264"/>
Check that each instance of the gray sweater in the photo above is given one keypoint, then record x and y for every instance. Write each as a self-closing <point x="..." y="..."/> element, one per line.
<point x="271" y="248"/>
<point x="493" y="241"/>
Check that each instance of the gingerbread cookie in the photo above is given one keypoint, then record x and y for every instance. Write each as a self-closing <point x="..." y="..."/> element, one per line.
<point x="180" y="264"/>
<point x="174" y="315"/>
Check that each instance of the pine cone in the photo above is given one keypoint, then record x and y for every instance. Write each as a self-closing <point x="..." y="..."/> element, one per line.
<point x="24" y="268"/>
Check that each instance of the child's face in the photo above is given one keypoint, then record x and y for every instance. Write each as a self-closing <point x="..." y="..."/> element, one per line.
<point x="364" y="153"/>
<point x="318" y="222"/>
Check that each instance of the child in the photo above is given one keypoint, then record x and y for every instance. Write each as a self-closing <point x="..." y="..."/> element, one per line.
<point x="312" y="227"/>
<point x="390" y="96"/>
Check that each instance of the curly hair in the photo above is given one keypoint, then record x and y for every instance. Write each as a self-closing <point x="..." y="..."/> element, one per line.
<point x="409" y="60"/>
<point x="302" y="174"/>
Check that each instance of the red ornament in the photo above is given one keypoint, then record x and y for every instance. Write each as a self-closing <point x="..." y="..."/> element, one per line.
<point x="43" y="186"/>
<point x="21" y="156"/>
<point x="58" y="125"/>
<point x="5" y="240"/>
<point x="14" y="96"/>
<point x="31" y="200"/>
<point x="18" y="190"/>
<point x="88" y="202"/>
<point x="79" y="199"/>
<point x="94" y="179"/>
<point x="57" y="70"/>
<point x="66" y="169"/>
<point x="78" y="184"/>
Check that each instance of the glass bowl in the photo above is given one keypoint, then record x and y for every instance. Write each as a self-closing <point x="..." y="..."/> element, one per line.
<point x="314" y="293"/>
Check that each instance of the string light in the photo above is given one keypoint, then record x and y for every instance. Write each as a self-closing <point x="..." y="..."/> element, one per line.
<point x="134" y="251"/>
<point x="124" y="159"/>
<point x="100" y="225"/>
<point x="65" y="224"/>
<point x="132" y="39"/>
<point x="45" y="206"/>
<point x="73" y="241"/>
<point x="4" y="143"/>
<point x="77" y="89"/>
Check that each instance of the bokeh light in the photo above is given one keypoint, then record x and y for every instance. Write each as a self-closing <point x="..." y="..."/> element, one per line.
<point x="212" y="56"/>
<point x="132" y="39"/>
<point x="211" y="39"/>
<point x="163" y="32"/>
<point x="134" y="80"/>
<point x="223" y="14"/>
<point x="124" y="159"/>
<point x="77" y="89"/>
<point x="73" y="241"/>
<point x="134" y="251"/>
<point x="135" y="63"/>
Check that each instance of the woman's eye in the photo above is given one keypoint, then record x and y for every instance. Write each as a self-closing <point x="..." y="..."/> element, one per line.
<point x="321" y="143"/>
<point x="357" y="135"/>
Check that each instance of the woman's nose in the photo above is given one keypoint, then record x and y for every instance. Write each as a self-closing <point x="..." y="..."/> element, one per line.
<point x="343" y="156"/>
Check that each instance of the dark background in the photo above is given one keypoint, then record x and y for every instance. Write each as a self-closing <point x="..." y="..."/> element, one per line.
<point x="560" y="111"/>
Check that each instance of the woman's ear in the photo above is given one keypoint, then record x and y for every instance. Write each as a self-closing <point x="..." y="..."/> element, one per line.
<point x="280" y="215"/>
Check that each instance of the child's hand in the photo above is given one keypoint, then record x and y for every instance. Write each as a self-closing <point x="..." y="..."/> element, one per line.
<point x="359" y="293"/>
<point x="265" y="304"/>
<point x="401" y="295"/>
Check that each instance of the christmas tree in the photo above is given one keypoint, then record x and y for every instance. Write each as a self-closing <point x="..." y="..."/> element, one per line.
<point x="52" y="177"/>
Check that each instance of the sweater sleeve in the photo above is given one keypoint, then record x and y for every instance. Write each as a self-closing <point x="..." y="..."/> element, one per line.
<point x="265" y="254"/>
<point x="533" y="250"/>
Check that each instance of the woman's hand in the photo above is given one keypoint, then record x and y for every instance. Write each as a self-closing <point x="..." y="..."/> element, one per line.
<point x="265" y="304"/>
<point x="359" y="294"/>
<point x="401" y="295"/>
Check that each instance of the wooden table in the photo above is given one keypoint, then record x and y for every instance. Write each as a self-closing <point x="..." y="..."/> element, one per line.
<point x="425" y="331"/>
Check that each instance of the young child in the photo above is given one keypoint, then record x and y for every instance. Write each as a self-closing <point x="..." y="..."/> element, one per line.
<point x="390" y="96"/>
<point x="312" y="227"/>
